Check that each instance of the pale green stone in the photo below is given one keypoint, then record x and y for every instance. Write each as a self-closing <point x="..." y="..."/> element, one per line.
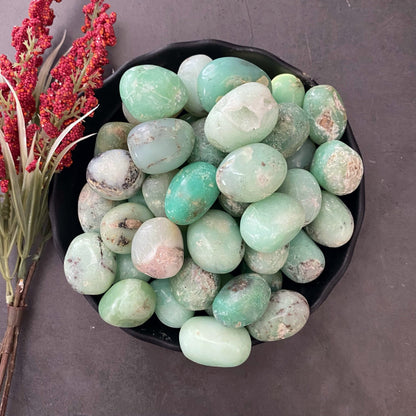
<point x="126" y="269"/>
<point x="188" y="72"/>
<point x="247" y="114"/>
<point x="159" y="146"/>
<point x="337" y="167"/>
<point x="303" y="157"/>
<point x="206" y="341"/>
<point x="271" y="223"/>
<point x="251" y="173"/>
<point x="112" y="135"/>
<point x="89" y="266"/>
<point x="150" y="92"/>
<point x="287" y="88"/>
<point x="215" y="243"/>
<point x="157" y="248"/>
<point x="128" y="116"/>
<point x="305" y="261"/>
<point x="286" y="314"/>
<point x="334" y="225"/>
<point x="128" y="303"/>
<point x="266" y="263"/>
<point x="302" y="185"/>
<point x="168" y="310"/>
<point x="138" y="197"/>
<point x="234" y="208"/>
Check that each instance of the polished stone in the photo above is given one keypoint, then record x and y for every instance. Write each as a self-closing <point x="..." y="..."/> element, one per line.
<point x="112" y="135"/>
<point x="287" y="88"/>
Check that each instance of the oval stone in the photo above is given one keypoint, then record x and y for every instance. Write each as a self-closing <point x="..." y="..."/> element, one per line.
<point x="247" y="114"/>
<point x="287" y="88"/>
<point x="157" y="248"/>
<point x="126" y="269"/>
<point x="337" y="167"/>
<point x="89" y="266"/>
<point x="112" y="135"/>
<point x="191" y="193"/>
<point x="271" y="223"/>
<point x="334" y="225"/>
<point x="251" y="173"/>
<point x="215" y="243"/>
<point x="286" y="314"/>
<point x="206" y="341"/>
<point x="223" y="75"/>
<point x="303" y="157"/>
<point x="266" y="263"/>
<point x="162" y="145"/>
<point x="242" y="300"/>
<point x="326" y="113"/>
<point x="128" y="303"/>
<point x="150" y="92"/>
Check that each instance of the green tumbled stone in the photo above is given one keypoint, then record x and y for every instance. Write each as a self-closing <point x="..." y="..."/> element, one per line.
<point x="334" y="225"/>
<point x="91" y="209"/>
<point x="128" y="116"/>
<point x="126" y="269"/>
<point x="215" y="243"/>
<point x="234" y="208"/>
<point x="150" y="92"/>
<point x="303" y="157"/>
<point x="271" y="223"/>
<point x="128" y="303"/>
<point x="154" y="190"/>
<point x="89" y="266"/>
<point x="247" y="114"/>
<point x="266" y="263"/>
<point x="119" y="225"/>
<point x="337" y="167"/>
<point x="242" y="300"/>
<point x="290" y="131"/>
<point x="287" y="88"/>
<point x="112" y="135"/>
<point x="302" y="185"/>
<point x="224" y="74"/>
<point x="168" y="310"/>
<point x="206" y="341"/>
<point x="138" y="197"/>
<point x="305" y="261"/>
<point x="286" y="314"/>
<point x="157" y="248"/>
<point x="191" y="193"/>
<point x="193" y="287"/>
<point x="203" y="150"/>
<point x="159" y="146"/>
<point x="275" y="280"/>
<point x="188" y="72"/>
<point x="251" y="173"/>
<point x="326" y="113"/>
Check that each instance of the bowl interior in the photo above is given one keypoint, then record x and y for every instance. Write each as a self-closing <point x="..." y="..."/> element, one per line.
<point x="67" y="184"/>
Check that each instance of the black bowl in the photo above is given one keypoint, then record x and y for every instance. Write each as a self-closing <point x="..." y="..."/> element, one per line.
<point x="67" y="184"/>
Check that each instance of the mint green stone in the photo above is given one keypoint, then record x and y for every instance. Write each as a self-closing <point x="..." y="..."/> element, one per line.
<point x="138" y="197"/>
<point x="203" y="150"/>
<point x="119" y="225"/>
<point x="154" y="190"/>
<point x="188" y="72"/>
<point x="302" y="185"/>
<point x="286" y="314"/>
<point x="287" y="88"/>
<point x="242" y="300"/>
<point x="159" y="146"/>
<point x="303" y="157"/>
<point x="223" y="75"/>
<point x="128" y="303"/>
<point x="168" y="310"/>
<point x="305" y="261"/>
<point x="89" y="266"/>
<point x="126" y="269"/>
<point x="206" y="341"/>
<point x="215" y="243"/>
<point x="193" y="287"/>
<point x="112" y="135"/>
<point x="234" y="208"/>
<point x="271" y="223"/>
<point x="337" y="167"/>
<point x="251" y="173"/>
<point x="150" y="92"/>
<point x="128" y="116"/>
<point x="191" y="193"/>
<point x="326" y="113"/>
<point x="334" y="225"/>
<point x="290" y="131"/>
<point x="266" y="263"/>
<point x="245" y="115"/>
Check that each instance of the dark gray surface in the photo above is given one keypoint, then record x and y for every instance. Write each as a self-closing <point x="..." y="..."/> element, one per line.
<point x="356" y="356"/>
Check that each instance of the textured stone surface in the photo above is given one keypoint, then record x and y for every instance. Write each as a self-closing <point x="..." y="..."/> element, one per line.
<point x="287" y="88"/>
<point x="112" y="135"/>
